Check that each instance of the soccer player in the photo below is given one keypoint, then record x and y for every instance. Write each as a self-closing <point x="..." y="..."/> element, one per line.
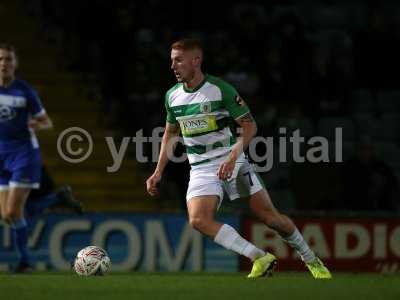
<point x="201" y="106"/>
<point x="21" y="113"/>
<point x="48" y="197"/>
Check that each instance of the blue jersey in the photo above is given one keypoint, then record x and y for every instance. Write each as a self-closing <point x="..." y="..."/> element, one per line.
<point x="18" y="102"/>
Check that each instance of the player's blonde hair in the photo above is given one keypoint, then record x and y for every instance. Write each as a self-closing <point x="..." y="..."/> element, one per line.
<point x="187" y="44"/>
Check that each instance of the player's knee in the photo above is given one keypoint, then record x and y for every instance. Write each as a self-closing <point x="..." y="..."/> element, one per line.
<point x="11" y="214"/>
<point x="198" y="223"/>
<point x="4" y="217"/>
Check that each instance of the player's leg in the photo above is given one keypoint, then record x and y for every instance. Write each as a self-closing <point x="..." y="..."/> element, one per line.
<point x="67" y="200"/>
<point x="37" y="205"/>
<point x="204" y="194"/>
<point x="247" y="184"/>
<point x="19" y="229"/>
<point x="4" y="188"/>
<point x="63" y="198"/>
<point x="3" y="202"/>
<point x="24" y="166"/>
<point x="261" y="205"/>
<point x="201" y="210"/>
<point x="46" y="197"/>
<point x="41" y="198"/>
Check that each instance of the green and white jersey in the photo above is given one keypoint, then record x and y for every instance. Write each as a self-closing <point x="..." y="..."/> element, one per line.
<point x="204" y="115"/>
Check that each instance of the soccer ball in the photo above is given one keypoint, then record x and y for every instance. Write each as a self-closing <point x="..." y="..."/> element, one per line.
<point x="92" y="260"/>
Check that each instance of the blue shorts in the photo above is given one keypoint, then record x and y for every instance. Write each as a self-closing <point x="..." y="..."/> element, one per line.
<point x="20" y="168"/>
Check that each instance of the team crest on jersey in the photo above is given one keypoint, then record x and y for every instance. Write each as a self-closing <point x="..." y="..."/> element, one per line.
<point x="239" y="100"/>
<point x="6" y="113"/>
<point x="205" y="108"/>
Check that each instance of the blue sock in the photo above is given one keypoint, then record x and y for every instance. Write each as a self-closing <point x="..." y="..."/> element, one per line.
<point x="36" y="206"/>
<point x="19" y="231"/>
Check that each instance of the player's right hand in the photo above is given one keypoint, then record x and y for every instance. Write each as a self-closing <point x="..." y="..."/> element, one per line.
<point x="151" y="183"/>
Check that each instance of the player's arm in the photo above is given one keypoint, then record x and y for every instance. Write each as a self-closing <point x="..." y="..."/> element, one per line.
<point x="248" y="129"/>
<point x="168" y="144"/>
<point x="41" y="121"/>
<point x="39" y="118"/>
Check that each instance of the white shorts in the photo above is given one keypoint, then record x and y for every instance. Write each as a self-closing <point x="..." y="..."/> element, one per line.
<point x="204" y="181"/>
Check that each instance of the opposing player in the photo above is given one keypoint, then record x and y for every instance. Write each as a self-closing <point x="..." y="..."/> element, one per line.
<point x="48" y="198"/>
<point x="21" y="113"/>
<point x="200" y="107"/>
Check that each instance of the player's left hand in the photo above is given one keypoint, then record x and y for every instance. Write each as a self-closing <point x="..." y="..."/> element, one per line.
<point x="33" y="124"/>
<point x="40" y="122"/>
<point x="225" y="170"/>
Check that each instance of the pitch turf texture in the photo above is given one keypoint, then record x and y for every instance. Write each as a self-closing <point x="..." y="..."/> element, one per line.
<point x="175" y="286"/>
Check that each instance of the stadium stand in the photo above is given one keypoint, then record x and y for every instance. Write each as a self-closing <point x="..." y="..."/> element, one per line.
<point x="64" y="95"/>
<point x="330" y="62"/>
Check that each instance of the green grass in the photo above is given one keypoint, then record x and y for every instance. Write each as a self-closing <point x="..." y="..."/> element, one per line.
<point x="202" y="286"/>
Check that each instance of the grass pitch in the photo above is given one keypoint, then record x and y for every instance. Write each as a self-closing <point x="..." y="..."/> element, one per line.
<point x="193" y="286"/>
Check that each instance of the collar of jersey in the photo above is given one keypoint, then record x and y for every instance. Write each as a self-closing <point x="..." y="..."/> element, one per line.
<point x="8" y="86"/>
<point x="197" y="87"/>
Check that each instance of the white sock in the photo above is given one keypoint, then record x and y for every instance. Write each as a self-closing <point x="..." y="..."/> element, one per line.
<point x="296" y="241"/>
<point x="229" y="238"/>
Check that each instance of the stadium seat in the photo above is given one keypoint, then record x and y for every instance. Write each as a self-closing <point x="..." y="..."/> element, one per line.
<point x="391" y="127"/>
<point x="328" y="17"/>
<point x="292" y="124"/>
<point x="283" y="199"/>
<point x="389" y="153"/>
<point x="356" y="14"/>
<point x="348" y="150"/>
<point x="369" y="125"/>
<point x="327" y="126"/>
<point x="397" y="173"/>
<point x="333" y="39"/>
<point x="277" y="177"/>
<point x="362" y="102"/>
<point x="389" y="101"/>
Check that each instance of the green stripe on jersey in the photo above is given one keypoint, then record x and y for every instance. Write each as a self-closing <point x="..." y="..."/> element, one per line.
<point x="201" y="149"/>
<point x="196" y="108"/>
<point x="170" y="116"/>
<point x="210" y="159"/>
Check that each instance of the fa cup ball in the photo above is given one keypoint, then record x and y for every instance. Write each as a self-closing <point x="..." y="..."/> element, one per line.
<point x="92" y="261"/>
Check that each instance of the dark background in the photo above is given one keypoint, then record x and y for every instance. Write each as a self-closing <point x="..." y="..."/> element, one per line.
<point x="309" y="65"/>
